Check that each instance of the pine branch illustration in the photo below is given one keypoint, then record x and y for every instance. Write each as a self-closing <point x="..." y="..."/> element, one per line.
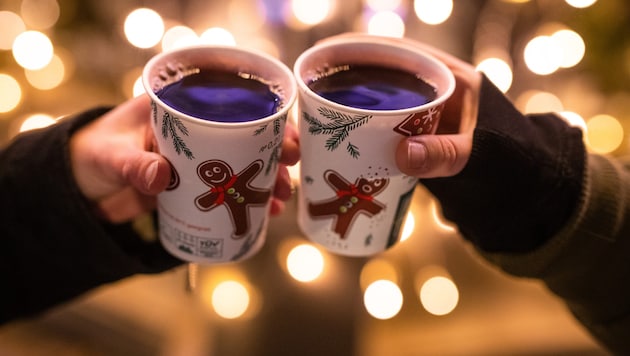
<point x="180" y="125"/>
<point x="336" y="139"/>
<point x="260" y="130"/>
<point x="274" y="158"/>
<point x="353" y="150"/>
<point x="315" y="126"/>
<point x="171" y="124"/>
<point x="277" y="125"/>
<point x="154" y="111"/>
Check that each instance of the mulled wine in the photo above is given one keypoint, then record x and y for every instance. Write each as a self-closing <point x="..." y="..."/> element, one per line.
<point x="218" y="95"/>
<point x="373" y="87"/>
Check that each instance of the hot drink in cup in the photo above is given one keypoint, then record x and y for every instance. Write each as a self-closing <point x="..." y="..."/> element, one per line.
<point x="358" y="97"/>
<point x="218" y="115"/>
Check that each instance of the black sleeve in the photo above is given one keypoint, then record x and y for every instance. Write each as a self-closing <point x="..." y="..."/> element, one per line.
<point x="523" y="179"/>
<point x="52" y="247"/>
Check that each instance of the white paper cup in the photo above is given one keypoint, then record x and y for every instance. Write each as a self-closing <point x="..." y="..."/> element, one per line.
<point x="216" y="207"/>
<point x="353" y="199"/>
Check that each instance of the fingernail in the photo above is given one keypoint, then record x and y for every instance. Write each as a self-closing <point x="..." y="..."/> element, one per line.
<point x="416" y="155"/>
<point x="150" y="174"/>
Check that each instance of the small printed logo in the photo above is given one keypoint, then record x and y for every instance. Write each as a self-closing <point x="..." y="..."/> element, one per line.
<point x="212" y="248"/>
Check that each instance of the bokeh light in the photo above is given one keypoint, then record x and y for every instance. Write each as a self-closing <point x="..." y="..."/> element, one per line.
<point x="11" y="25"/>
<point x="383" y="299"/>
<point x="375" y="269"/>
<point x="408" y="227"/>
<point x="433" y="12"/>
<point x="540" y="102"/>
<point x="40" y="14"/>
<point x="604" y="133"/>
<point x="32" y="50"/>
<point x="383" y="5"/>
<point x="36" y="121"/>
<point x="439" y="295"/>
<point x="498" y="71"/>
<point x="179" y="36"/>
<point x="581" y="3"/>
<point x="440" y="222"/>
<point x="542" y="55"/>
<point x="574" y="119"/>
<point x="310" y="12"/>
<point x="217" y="36"/>
<point x="386" y="23"/>
<point x="144" y="28"/>
<point x="572" y="46"/>
<point x="305" y="263"/>
<point x="48" y="77"/>
<point x="230" y="299"/>
<point x="11" y="93"/>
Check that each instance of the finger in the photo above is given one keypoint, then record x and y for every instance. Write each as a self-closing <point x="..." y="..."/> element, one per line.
<point x="277" y="207"/>
<point x="282" y="189"/>
<point x="431" y="156"/>
<point x="290" y="146"/>
<point x="148" y="172"/>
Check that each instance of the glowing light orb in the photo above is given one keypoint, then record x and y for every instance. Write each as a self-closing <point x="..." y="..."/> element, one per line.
<point x="439" y="295"/>
<point x="433" y="12"/>
<point x="230" y="299"/>
<point x="386" y="23"/>
<point x="32" y="50"/>
<point x="305" y="263"/>
<point x="144" y="28"/>
<point x="383" y="299"/>
<point x="498" y="71"/>
<point x="37" y="121"/>
<point x="11" y="93"/>
<point x="11" y="25"/>
<point x="604" y="133"/>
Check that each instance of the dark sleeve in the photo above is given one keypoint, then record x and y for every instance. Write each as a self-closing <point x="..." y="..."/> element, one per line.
<point x="52" y="247"/>
<point x="522" y="181"/>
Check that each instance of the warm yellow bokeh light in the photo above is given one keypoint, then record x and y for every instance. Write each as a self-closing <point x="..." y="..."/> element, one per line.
<point x="37" y="121"/>
<point x="144" y="28"/>
<point x="377" y="269"/>
<point x="408" y="227"/>
<point x="383" y="299"/>
<point x="542" y="102"/>
<point x="572" y="46"/>
<point x="178" y="37"/>
<point x="433" y="12"/>
<point x="11" y="93"/>
<point x="310" y="12"/>
<point x="542" y="55"/>
<point x="48" y="77"/>
<point x="439" y="295"/>
<point x="11" y="25"/>
<point x="230" y="299"/>
<point x="40" y="14"/>
<point x="32" y="50"/>
<point x="218" y="36"/>
<point x="604" y="133"/>
<point x="498" y="71"/>
<point x="581" y="3"/>
<point x="138" y="87"/>
<point x="305" y="263"/>
<point x="383" y="5"/>
<point x="386" y="23"/>
<point x="574" y="119"/>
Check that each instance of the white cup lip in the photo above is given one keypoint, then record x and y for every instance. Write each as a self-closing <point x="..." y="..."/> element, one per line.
<point x="383" y="42"/>
<point x="261" y="57"/>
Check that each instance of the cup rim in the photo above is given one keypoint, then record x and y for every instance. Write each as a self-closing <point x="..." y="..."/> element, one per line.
<point x="288" y="101"/>
<point x="378" y="41"/>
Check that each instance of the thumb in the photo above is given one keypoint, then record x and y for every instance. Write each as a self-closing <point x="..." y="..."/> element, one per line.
<point x="432" y="156"/>
<point x="147" y="172"/>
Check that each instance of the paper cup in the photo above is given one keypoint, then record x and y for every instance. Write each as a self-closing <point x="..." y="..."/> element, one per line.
<point x="353" y="199"/>
<point x="216" y="207"/>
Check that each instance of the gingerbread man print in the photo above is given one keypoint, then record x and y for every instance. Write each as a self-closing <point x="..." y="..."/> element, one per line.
<point x="232" y="191"/>
<point x="350" y="201"/>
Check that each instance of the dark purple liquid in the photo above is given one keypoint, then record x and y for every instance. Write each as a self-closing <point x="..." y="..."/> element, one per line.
<point x="373" y="88"/>
<point x="222" y="96"/>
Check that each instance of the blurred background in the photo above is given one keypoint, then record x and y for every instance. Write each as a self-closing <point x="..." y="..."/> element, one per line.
<point x="430" y="294"/>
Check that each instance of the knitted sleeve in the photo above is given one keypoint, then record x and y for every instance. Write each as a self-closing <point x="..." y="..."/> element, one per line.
<point x="52" y="247"/>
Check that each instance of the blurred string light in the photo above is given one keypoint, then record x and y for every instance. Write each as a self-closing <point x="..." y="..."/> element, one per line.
<point x="383" y="5"/>
<point x="311" y="12"/>
<point x="36" y="121"/>
<point x="574" y="119"/>
<point x="305" y="263"/>
<point x="11" y="93"/>
<point x="581" y="3"/>
<point x="386" y="23"/>
<point x="230" y="299"/>
<point x="604" y="134"/>
<point x="177" y="37"/>
<point x="40" y="14"/>
<point x="433" y="12"/>
<point x="439" y="295"/>
<point x="498" y="71"/>
<point x="48" y="77"/>
<point x="144" y="28"/>
<point x="217" y="36"/>
<point x="32" y="50"/>
<point x="11" y="25"/>
<point x="383" y="299"/>
<point x="544" y="54"/>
